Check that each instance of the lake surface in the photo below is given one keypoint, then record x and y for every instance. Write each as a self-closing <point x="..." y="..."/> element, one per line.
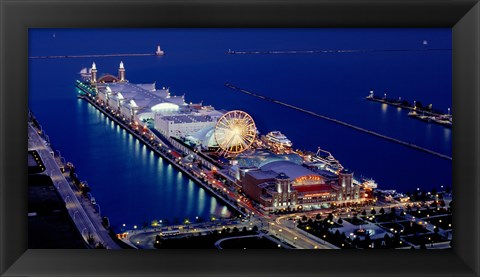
<point x="133" y="185"/>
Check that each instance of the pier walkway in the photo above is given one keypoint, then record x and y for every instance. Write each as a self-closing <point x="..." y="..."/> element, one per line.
<point x="341" y="123"/>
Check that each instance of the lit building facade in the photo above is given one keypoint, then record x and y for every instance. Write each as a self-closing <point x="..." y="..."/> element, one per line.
<point x="284" y="184"/>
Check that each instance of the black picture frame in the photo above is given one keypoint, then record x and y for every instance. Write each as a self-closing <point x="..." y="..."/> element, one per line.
<point x="17" y="16"/>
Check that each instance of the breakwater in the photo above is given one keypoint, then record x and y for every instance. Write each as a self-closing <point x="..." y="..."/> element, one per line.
<point x="326" y="51"/>
<point x="411" y="145"/>
<point x="92" y="56"/>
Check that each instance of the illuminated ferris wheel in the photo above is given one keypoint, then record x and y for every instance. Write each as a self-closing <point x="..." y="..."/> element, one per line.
<point x="235" y="132"/>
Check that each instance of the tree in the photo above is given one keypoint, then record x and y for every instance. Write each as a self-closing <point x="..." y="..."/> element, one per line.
<point x="340" y="220"/>
<point x="90" y="238"/>
<point x="368" y="241"/>
<point x="244" y="229"/>
<point x="304" y="218"/>
<point x="356" y="241"/>
<point x="310" y="221"/>
<point x="392" y="210"/>
<point x="330" y="217"/>
<point x="387" y="240"/>
<point x="373" y="212"/>
<point x="100" y="246"/>
<point x="336" y="236"/>
<point x="318" y="217"/>
<point x="382" y="211"/>
<point x="255" y="228"/>
<point x="364" y="213"/>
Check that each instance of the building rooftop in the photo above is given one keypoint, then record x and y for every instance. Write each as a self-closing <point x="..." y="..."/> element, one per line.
<point x="263" y="174"/>
<point x="143" y="95"/>
<point x="263" y="157"/>
<point x="291" y="169"/>
<point x="188" y="118"/>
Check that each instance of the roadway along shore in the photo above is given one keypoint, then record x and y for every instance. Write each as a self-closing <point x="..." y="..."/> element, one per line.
<point x="86" y="221"/>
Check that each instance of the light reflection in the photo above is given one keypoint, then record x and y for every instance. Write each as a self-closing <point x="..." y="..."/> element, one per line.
<point x="190" y="198"/>
<point x="213" y="205"/>
<point x="201" y="201"/>
<point x="151" y="158"/>
<point x="185" y="198"/>
<point x="384" y="108"/>
<point x="225" y="212"/>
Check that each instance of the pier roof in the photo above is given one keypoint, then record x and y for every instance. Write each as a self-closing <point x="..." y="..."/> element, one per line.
<point x="143" y="94"/>
<point x="263" y="157"/>
<point x="262" y="174"/>
<point x="187" y="118"/>
<point x="292" y="170"/>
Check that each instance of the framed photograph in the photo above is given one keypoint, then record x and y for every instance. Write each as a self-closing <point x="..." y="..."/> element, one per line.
<point x="231" y="138"/>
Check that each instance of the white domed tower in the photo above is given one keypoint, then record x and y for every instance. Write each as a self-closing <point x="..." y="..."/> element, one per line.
<point x="121" y="72"/>
<point x="159" y="51"/>
<point x="94" y="73"/>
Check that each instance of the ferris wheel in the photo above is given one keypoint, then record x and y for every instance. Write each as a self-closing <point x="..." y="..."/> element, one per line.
<point x="235" y="132"/>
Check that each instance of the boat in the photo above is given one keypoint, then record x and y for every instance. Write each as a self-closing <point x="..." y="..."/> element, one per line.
<point x="412" y="113"/>
<point x="369" y="183"/>
<point x="277" y="138"/>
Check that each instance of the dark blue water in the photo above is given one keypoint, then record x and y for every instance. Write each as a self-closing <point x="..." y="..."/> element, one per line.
<point x="133" y="185"/>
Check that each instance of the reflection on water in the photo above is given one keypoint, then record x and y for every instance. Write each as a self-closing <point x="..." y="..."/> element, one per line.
<point x="384" y="108"/>
<point x="131" y="182"/>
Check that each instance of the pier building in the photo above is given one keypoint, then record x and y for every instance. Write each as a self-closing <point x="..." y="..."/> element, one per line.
<point x="306" y="188"/>
<point x="151" y="107"/>
<point x="276" y="180"/>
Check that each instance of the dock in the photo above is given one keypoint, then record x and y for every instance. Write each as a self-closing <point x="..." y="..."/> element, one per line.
<point x="422" y="114"/>
<point x="411" y="145"/>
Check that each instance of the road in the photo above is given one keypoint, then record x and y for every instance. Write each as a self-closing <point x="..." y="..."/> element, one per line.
<point x="285" y="229"/>
<point x="83" y="215"/>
